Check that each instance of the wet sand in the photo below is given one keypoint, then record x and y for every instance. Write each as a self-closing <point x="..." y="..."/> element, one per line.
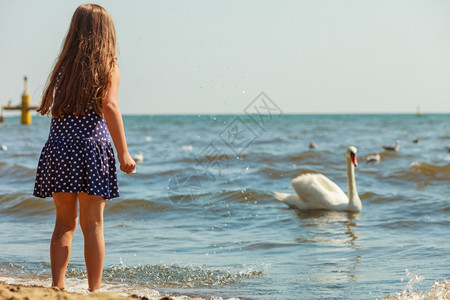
<point x="21" y="292"/>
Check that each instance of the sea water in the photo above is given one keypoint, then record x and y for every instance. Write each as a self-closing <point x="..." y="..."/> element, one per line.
<point x="199" y="218"/>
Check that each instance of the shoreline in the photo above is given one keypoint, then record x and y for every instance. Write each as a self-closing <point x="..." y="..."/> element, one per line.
<point x="440" y="290"/>
<point x="22" y="292"/>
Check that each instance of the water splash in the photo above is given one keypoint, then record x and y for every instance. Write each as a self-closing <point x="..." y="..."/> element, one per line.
<point x="413" y="280"/>
<point x="439" y="291"/>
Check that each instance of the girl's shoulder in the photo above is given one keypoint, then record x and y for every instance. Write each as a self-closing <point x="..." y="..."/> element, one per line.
<point x="115" y="74"/>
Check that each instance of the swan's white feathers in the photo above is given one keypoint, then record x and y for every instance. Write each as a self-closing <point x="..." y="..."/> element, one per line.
<point x="289" y="199"/>
<point x="315" y="191"/>
<point x="318" y="192"/>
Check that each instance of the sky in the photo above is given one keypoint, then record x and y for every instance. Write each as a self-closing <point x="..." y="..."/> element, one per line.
<point x="215" y="57"/>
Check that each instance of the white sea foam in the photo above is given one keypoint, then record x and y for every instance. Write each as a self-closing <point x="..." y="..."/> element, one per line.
<point x="187" y="147"/>
<point x="439" y="291"/>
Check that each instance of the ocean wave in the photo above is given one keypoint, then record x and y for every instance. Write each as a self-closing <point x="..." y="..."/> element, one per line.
<point x="273" y="173"/>
<point x="244" y="195"/>
<point x="386" y="198"/>
<point x="439" y="291"/>
<point x="135" y="206"/>
<point x="268" y="141"/>
<point x="156" y="174"/>
<point x="419" y="172"/>
<point x="409" y="224"/>
<point x="25" y="205"/>
<point x="266" y="246"/>
<point x="305" y="155"/>
<point x="367" y="195"/>
<point x="193" y="200"/>
<point x="16" y="172"/>
<point x="211" y="159"/>
<point x="439" y="172"/>
<point x="25" y="154"/>
<point x="145" y="281"/>
<point x="176" y="276"/>
<point x="312" y="157"/>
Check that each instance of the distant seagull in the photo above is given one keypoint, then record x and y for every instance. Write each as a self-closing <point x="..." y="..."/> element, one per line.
<point x="148" y="138"/>
<point x="395" y="147"/>
<point x="138" y="157"/>
<point x="373" y="158"/>
<point x="4" y="147"/>
<point x="416" y="140"/>
<point x="312" y="145"/>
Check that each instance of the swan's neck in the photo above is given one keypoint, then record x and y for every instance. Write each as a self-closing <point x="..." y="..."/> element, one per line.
<point x="354" y="203"/>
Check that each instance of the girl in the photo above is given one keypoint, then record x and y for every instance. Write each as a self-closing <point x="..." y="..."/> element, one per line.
<point x="77" y="163"/>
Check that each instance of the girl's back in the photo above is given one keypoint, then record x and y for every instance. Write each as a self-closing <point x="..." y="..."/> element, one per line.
<point x="72" y="128"/>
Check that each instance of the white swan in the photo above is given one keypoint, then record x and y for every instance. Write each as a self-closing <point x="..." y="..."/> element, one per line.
<point x="315" y="191"/>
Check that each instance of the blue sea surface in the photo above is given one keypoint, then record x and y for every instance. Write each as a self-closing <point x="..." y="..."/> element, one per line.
<point x="199" y="217"/>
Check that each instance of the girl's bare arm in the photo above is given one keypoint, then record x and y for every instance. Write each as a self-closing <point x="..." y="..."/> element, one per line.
<point x="114" y="122"/>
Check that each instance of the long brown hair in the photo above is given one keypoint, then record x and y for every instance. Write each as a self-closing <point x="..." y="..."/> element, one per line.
<point x="81" y="76"/>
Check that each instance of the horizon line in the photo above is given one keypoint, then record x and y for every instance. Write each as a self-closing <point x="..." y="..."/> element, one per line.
<point x="16" y="114"/>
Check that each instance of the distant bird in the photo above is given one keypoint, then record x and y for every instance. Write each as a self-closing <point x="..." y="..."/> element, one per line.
<point x="373" y="158"/>
<point x="315" y="191"/>
<point x="138" y="157"/>
<point x="148" y="138"/>
<point x="448" y="149"/>
<point x="416" y="140"/>
<point x="4" y="147"/>
<point x="395" y="147"/>
<point x="312" y="145"/>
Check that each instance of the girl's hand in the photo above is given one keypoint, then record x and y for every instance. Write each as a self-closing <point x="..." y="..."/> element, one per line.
<point x="127" y="163"/>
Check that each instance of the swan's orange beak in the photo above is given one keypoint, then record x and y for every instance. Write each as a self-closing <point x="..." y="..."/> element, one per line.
<point x="354" y="160"/>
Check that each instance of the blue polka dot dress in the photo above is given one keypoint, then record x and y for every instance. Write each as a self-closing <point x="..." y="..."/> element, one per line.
<point x="77" y="157"/>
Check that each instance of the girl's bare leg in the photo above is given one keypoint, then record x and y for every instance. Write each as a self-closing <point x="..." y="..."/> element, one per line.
<point x="61" y="243"/>
<point x="91" y="221"/>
